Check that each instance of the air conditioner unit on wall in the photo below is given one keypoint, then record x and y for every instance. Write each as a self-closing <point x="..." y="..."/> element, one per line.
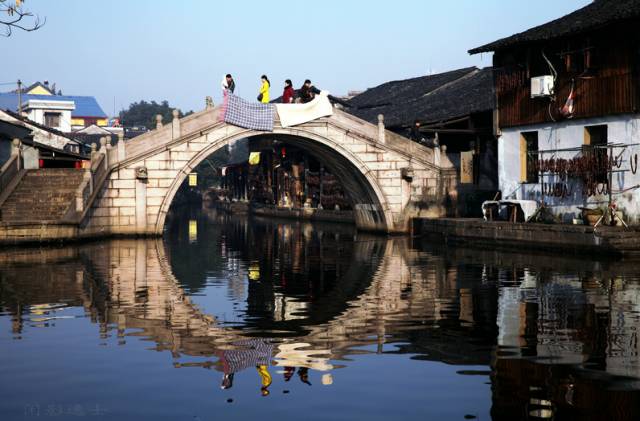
<point x="541" y="86"/>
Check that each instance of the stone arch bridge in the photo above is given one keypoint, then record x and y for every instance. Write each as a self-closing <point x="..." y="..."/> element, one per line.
<point x="129" y="187"/>
<point x="387" y="177"/>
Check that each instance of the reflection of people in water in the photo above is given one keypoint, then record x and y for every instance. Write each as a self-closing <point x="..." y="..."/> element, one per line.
<point x="288" y="373"/>
<point x="227" y="381"/>
<point x="263" y="371"/>
<point x="303" y="373"/>
<point x="250" y="353"/>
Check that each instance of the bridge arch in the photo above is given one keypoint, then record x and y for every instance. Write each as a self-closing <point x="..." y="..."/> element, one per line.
<point x="371" y="209"/>
<point x="387" y="177"/>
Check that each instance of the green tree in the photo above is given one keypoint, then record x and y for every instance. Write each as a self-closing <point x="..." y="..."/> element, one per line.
<point x="144" y="113"/>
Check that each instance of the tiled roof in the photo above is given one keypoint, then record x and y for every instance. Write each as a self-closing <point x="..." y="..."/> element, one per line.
<point x="593" y="16"/>
<point x="86" y="106"/>
<point x="405" y="90"/>
<point x="434" y="98"/>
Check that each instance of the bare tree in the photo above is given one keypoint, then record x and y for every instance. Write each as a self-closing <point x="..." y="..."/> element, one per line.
<point x="17" y="18"/>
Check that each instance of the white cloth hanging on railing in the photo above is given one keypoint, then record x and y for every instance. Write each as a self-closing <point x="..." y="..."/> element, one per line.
<point x="294" y="114"/>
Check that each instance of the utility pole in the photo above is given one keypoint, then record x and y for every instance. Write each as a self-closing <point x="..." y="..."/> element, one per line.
<point x="19" y="97"/>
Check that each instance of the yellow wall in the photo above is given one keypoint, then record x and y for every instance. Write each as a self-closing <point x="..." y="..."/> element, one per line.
<point x="80" y="122"/>
<point x="39" y="90"/>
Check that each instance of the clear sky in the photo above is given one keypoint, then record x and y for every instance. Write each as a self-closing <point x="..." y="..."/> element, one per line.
<point x="130" y="50"/>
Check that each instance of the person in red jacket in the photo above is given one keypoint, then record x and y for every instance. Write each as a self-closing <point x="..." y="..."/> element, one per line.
<point x="289" y="93"/>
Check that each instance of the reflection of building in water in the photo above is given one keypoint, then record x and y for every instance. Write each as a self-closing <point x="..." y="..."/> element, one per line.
<point x="322" y="298"/>
<point x="332" y="299"/>
<point x="38" y="297"/>
<point x="571" y="320"/>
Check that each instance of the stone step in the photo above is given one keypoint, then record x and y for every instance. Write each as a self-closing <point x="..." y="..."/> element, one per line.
<point x="35" y="194"/>
<point x="49" y="181"/>
<point x="32" y="181"/>
<point x="43" y="194"/>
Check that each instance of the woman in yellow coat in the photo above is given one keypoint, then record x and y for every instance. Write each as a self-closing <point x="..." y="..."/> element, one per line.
<point x="264" y="90"/>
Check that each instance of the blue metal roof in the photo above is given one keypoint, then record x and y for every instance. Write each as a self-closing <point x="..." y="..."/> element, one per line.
<point x="86" y="106"/>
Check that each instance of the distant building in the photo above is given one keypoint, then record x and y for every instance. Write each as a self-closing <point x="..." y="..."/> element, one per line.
<point x="92" y="135"/>
<point x="41" y="104"/>
<point x="41" y="146"/>
<point x="455" y="109"/>
<point x="568" y="102"/>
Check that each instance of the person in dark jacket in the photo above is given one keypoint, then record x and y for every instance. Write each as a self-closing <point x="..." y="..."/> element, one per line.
<point x="414" y="133"/>
<point x="307" y="92"/>
<point x="289" y="93"/>
<point x="228" y="84"/>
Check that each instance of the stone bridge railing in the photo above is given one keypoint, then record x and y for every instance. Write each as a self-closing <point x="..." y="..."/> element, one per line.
<point x="94" y="177"/>
<point x="380" y="149"/>
<point x="10" y="171"/>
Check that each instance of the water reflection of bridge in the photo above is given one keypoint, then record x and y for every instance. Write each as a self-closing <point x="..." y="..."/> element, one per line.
<point x="520" y="314"/>
<point x="128" y="285"/>
<point x="145" y="295"/>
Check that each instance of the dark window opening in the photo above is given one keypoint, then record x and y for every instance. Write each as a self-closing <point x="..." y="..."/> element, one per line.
<point x="52" y="120"/>
<point x="595" y="142"/>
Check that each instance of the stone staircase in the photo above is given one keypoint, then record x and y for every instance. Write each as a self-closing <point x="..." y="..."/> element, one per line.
<point x="42" y="195"/>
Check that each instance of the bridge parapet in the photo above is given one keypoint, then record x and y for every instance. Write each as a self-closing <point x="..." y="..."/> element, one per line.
<point x="389" y="178"/>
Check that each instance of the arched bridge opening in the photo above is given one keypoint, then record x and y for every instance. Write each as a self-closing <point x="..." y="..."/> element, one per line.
<point x="386" y="177"/>
<point x="230" y="161"/>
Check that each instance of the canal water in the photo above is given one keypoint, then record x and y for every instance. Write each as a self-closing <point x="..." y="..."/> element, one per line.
<point x="230" y="317"/>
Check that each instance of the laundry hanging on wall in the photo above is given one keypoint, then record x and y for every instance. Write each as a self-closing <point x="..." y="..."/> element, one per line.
<point x="249" y="115"/>
<point x="294" y="114"/>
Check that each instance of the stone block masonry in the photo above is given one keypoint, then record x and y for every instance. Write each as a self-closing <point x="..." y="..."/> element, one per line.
<point x="130" y="192"/>
<point x="375" y="168"/>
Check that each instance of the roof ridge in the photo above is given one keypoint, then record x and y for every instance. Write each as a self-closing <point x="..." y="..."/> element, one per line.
<point x="441" y="87"/>
<point x="427" y="76"/>
<point x="596" y="6"/>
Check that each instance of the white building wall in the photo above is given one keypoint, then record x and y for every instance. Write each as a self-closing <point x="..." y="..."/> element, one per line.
<point x="570" y="134"/>
<point x="36" y="110"/>
<point x="65" y="122"/>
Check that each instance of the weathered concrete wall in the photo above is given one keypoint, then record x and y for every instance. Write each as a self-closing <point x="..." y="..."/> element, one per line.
<point x="579" y="238"/>
<point x="389" y="179"/>
<point x="21" y="233"/>
<point x="624" y="129"/>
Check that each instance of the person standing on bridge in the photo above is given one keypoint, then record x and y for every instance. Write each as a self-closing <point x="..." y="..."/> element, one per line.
<point x="228" y="84"/>
<point x="307" y="92"/>
<point x="289" y="93"/>
<point x="414" y="133"/>
<point x="263" y="96"/>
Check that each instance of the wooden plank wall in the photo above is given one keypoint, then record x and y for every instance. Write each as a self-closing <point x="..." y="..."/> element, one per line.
<point x="614" y="90"/>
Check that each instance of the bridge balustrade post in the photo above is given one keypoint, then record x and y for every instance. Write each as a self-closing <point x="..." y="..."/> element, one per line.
<point x="107" y="154"/>
<point x="80" y="193"/>
<point x="437" y="151"/>
<point x="381" y="129"/>
<point x="94" y="151"/>
<point x="103" y="150"/>
<point x="15" y="151"/>
<point x="175" y="132"/>
<point x="158" y="121"/>
<point x="15" y="147"/>
<point x="121" y="150"/>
